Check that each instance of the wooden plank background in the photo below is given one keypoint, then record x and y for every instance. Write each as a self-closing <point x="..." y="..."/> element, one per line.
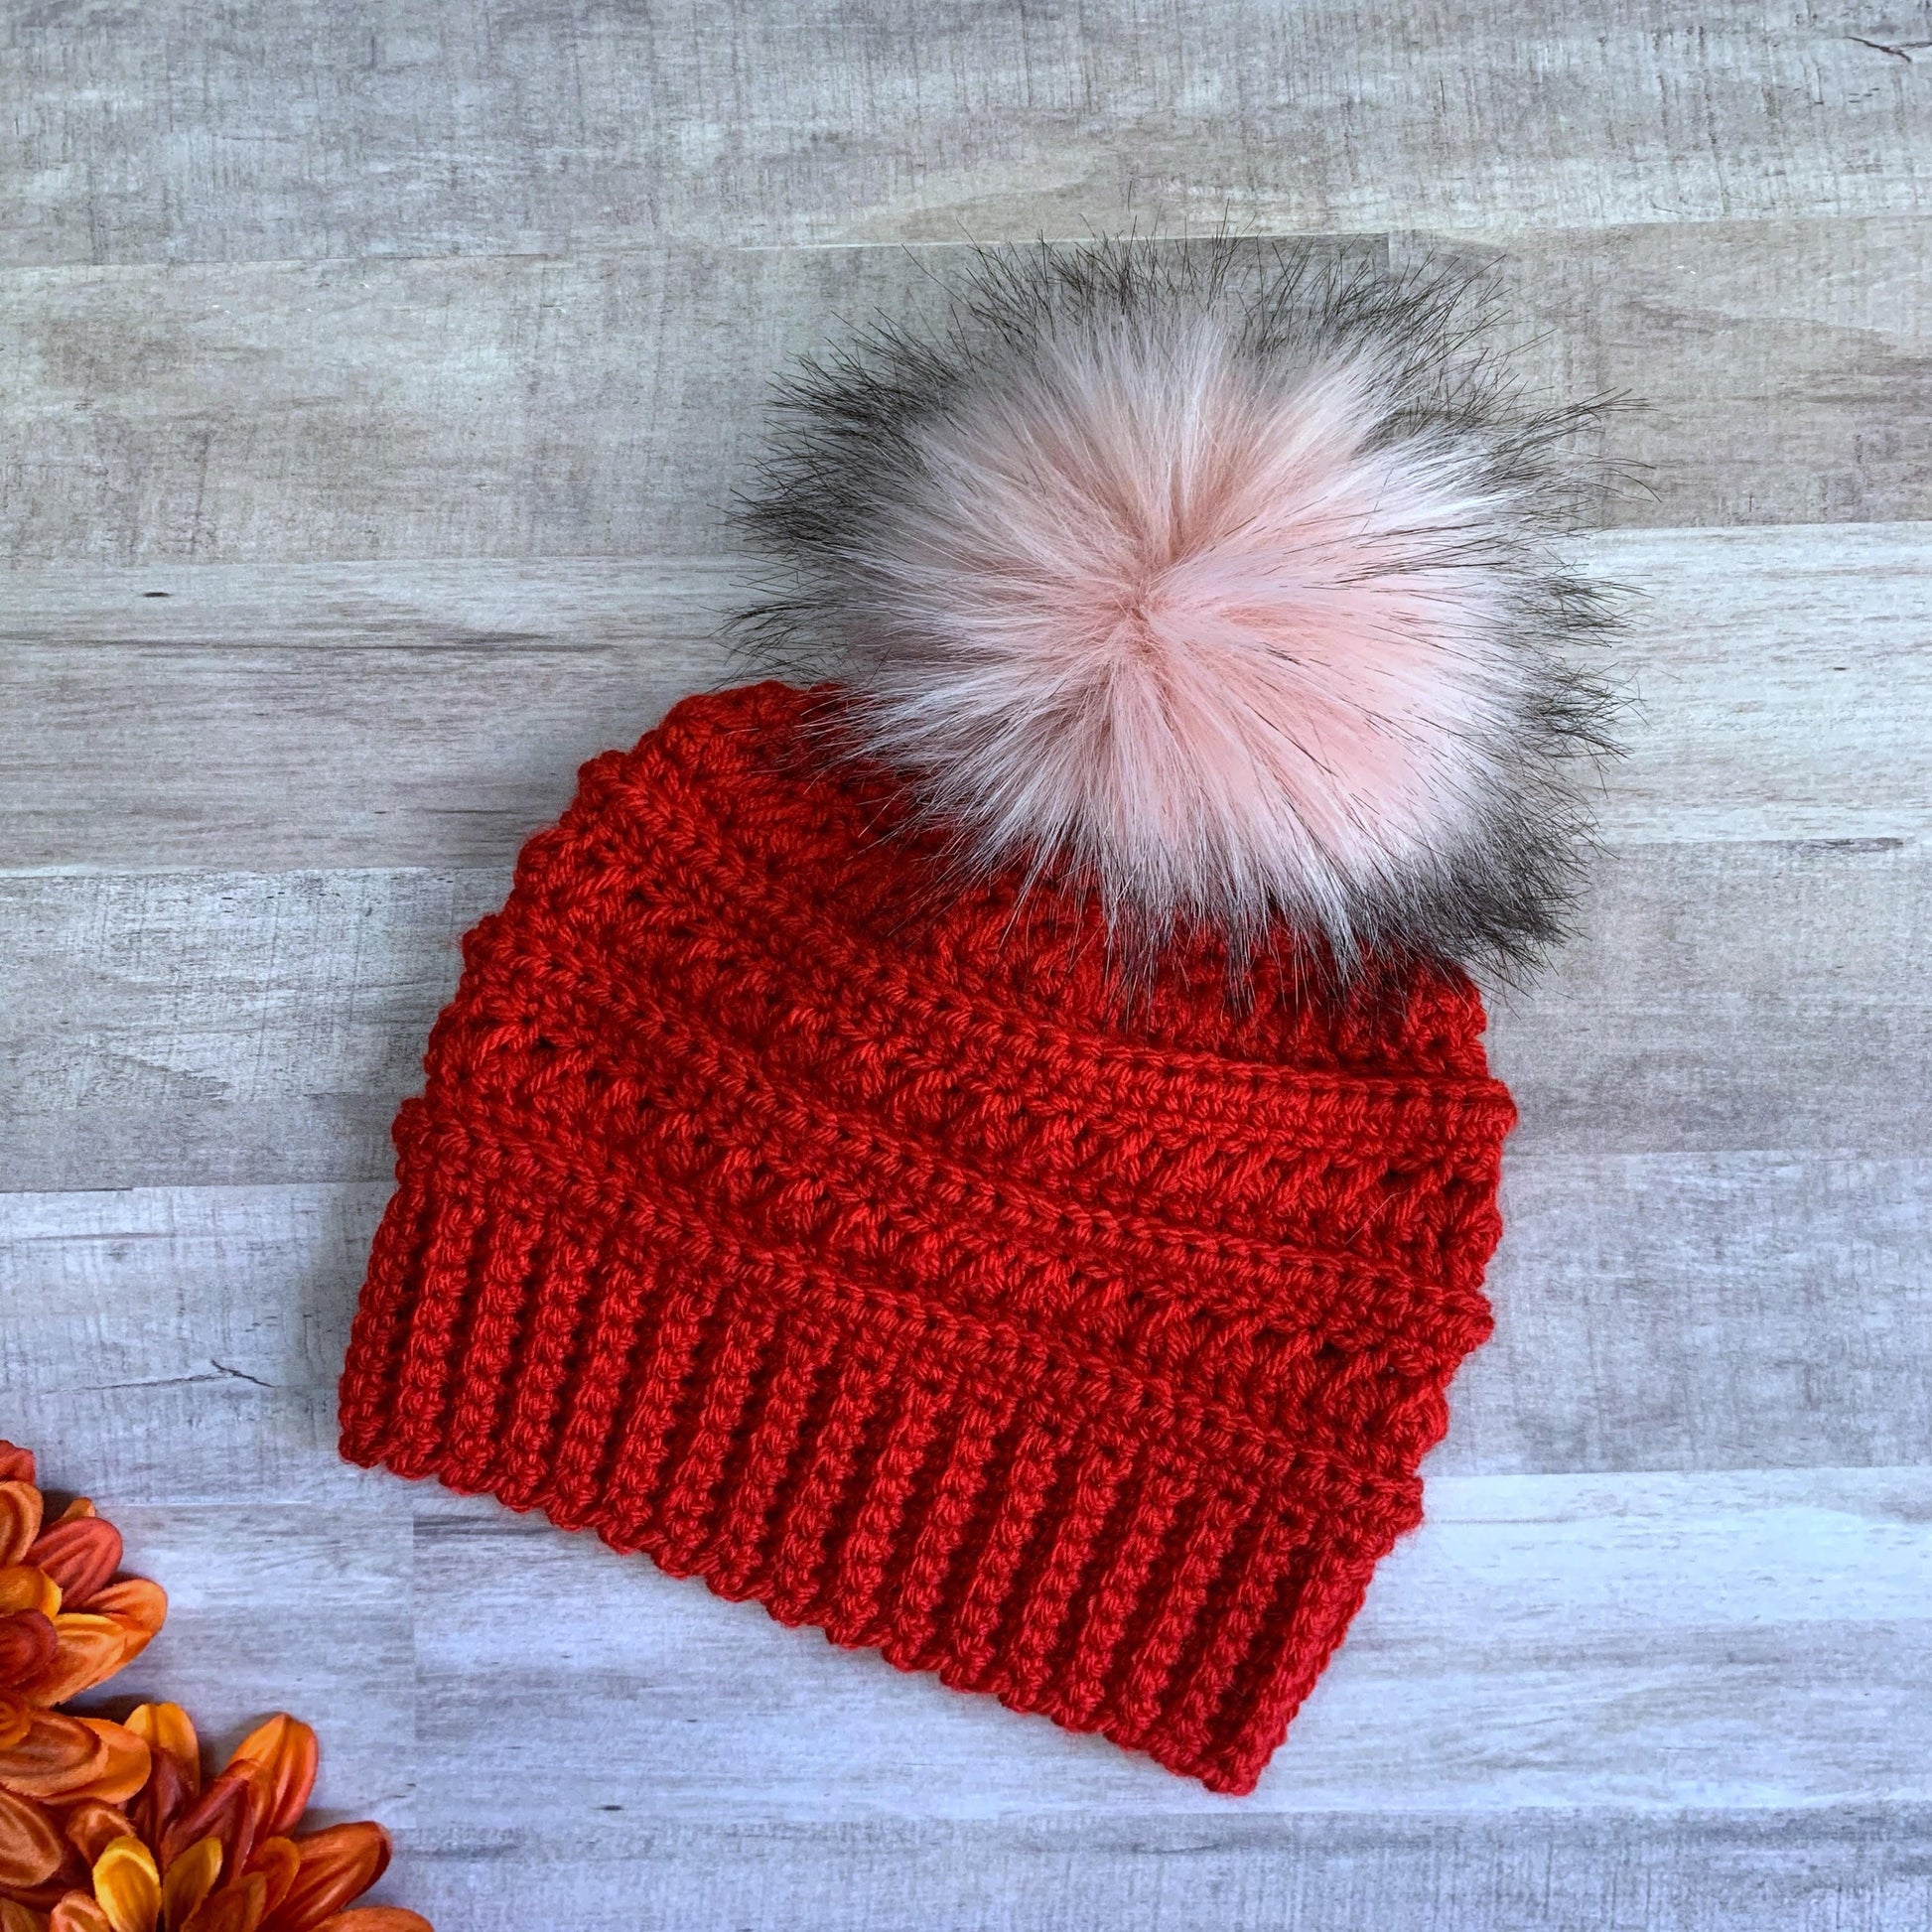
<point x="376" y="378"/>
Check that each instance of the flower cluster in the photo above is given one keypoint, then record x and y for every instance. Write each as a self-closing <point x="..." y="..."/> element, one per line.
<point x="67" y="1622"/>
<point x="112" y="1827"/>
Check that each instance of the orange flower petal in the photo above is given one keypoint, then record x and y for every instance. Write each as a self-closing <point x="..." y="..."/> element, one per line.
<point x="133" y="1601"/>
<point x="87" y="1649"/>
<point x="230" y="1809"/>
<point x="27" y="1645"/>
<point x="76" y="1912"/>
<point x="237" y="1908"/>
<point x="20" y="1518"/>
<point x="55" y="1757"/>
<point x="134" y="1639"/>
<point x="80" y="1506"/>
<point x="16" y="1917"/>
<point x="190" y="1880"/>
<point x="128" y="1885"/>
<point x="337" y="1866"/>
<point x="277" y="1860"/>
<point x="31" y="1844"/>
<point x="159" y="1803"/>
<point x="70" y="1875"/>
<point x="16" y="1463"/>
<point x="168" y="1727"/>
<point x="25" y="1587"/>
<point x="377" y="1918"/>
<point x="126" y="1769"/>
<point x="14" y="1717"/>
<point x="79" y="1553"/>
<point x="284" y="1749"/>
<point x="91" y="1827"/>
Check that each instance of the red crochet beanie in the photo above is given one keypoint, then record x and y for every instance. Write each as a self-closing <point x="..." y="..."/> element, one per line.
<point x="992" y="1155"/>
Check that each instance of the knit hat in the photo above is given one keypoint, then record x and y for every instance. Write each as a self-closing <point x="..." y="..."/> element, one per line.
<point x="989" y="1152"/>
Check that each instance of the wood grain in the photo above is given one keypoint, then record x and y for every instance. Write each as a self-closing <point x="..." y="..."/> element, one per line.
<point x="1532" y="1619"/>
<point x="422" y="129"/>
<point x="1728" y="1309"/>
<point x="181" y="1345"/>
<point x="299" y="1611"/>
<point x="435" y="715"/>
<point x="431" y="716"/>
<point x="1699" y="1312"/>
<point x="608" y="405"/>
<point x="1777" y="371"/>
<point x="220" y="1028"/>
<point x="241" y="1027"/>
<point x="1542" y="1868"/>
<point x="1767" y="997"/>
<point x="1529" y="1619"/>
<point x="379" y="377"/>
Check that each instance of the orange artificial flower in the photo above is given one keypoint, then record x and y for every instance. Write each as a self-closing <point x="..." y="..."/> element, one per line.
<point x="175" y="1854"/>
<point x="67" y="1622"/>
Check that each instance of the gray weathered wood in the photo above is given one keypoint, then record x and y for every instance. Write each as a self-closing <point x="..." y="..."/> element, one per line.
<point x="1531" y="1620"/>
<point x="417" y="129"/>
<point x="246" y="1028"/>
<point x="1725" y="1309"/>
<point x="434" y="715"/>
<point x="417" y="725"/>
<point x="219" y="1028"/>
<point x="182" y="1345"/>
<point x="516" y="407"/>
<point x="1732" y="996"/>
<point x="1852" y="1868"/>
<point x="414" y="349"/>
<point x="1779" y="372"/>
<point x="1530" y="1616"/>
<point x="1696" y="1310"/>
<point x="304" y="1610"/>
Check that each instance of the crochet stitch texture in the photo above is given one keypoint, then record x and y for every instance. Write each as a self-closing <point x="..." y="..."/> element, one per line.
<point x="860" y="1250"/>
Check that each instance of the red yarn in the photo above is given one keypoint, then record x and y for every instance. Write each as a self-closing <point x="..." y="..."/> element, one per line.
<point x="857" y="1248"/>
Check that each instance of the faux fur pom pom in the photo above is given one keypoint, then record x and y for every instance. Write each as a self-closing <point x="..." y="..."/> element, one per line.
<point x="1217" y="581"/>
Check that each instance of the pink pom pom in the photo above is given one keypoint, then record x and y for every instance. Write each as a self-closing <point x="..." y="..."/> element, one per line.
<point x="1238" y="609"/>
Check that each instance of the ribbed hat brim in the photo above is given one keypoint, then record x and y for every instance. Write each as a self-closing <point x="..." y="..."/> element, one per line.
<point x="943" y="1489"/>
